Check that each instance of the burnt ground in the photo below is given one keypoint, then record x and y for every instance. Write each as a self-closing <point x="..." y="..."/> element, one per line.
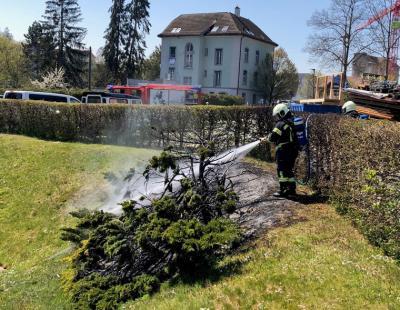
<point x="258" y="210"/>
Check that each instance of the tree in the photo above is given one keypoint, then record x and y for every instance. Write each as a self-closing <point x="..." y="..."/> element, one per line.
<point x="39" y="50"/>
<point x="278" y="77"/>
<point x="61" y="19"/>
<point x="151" y="66"/>
<point x="115" y="40"/>
<point x="185" y="227"/>
<point x="52" y="79"/>
<point x="6" y="33"/>
<point x="382" y="32"/>
<point x="12" y="63"/>
<point x="137" y="26"/>
<point x="337" y="38"/>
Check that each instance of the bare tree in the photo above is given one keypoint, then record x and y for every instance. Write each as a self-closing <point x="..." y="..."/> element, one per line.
<point x="337" y="37"/>
<point x="383" y="31"/>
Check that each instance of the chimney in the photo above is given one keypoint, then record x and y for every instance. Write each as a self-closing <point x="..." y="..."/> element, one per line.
<point x="237" y="11"/>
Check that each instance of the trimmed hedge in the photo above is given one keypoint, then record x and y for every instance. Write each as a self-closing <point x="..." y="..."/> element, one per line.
<point x="222" y="100"/>
<point x="147" y="126"/>
<point x="357" y="163"/>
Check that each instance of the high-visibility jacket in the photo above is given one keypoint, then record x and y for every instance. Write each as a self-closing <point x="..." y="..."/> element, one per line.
<point x="284" y="135"/>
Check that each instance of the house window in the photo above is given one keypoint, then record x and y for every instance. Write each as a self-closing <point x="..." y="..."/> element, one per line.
<point x="255" y="79"/>
<point x="205" y="73"/>
<point x="245" y="77"/>
<point x="189" y="55"/>
<point x="172" y="52"/>
<point x="246" y="55"/>
<point x="254" y="99"/>
<point x="206" y="52"/>
<point x="217" y="78"/>
<point x="244" y="97"/>
<point x="171" y="74"/>
<point x="187" y="80"/>
<point x="218" y="56"/>
<point x="257" y="57"/>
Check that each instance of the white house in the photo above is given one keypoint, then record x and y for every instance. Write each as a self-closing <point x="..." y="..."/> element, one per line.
<point x="220" y="52"/>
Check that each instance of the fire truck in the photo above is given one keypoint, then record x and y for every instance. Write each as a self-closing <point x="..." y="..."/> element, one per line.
<point x="164" y="94"/>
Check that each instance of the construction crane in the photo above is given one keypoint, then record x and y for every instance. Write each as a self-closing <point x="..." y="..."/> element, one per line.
<point x="394" y="35"/>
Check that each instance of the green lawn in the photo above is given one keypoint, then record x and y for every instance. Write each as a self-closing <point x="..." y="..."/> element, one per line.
<point x="317" y="261"/>
<point x="39" y="182"/>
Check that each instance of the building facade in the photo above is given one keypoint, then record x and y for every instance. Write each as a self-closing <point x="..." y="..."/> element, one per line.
<point x="221" y="52"/>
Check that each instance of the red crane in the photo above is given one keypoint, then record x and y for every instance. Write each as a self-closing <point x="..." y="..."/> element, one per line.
<point x="394" y="36"/>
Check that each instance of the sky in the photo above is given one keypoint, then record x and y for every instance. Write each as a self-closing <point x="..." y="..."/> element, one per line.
<point x="284" y="21"/>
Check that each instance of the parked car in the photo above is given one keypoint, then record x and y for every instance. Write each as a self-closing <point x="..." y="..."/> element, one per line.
<point x="30" y="95"/>
<point x="109" y="98"/>
<point x="1" y="96"/>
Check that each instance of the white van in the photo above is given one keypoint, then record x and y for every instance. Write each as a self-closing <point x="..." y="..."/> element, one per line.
<point x="30" y="95"/>
<point x="109" y="98"/>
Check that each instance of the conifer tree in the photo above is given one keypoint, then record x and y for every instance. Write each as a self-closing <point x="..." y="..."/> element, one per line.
<point x="137" y="25"/>
<point x="39" y="50"/>
<point x="115" y="39"/>
<point x="61" y="19"/>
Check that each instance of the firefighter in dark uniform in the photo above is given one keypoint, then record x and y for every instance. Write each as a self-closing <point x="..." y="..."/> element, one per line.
<point x="287" y="149"/>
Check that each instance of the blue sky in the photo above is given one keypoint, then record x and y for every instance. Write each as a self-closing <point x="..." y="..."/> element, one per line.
<point x="284" y="21"/>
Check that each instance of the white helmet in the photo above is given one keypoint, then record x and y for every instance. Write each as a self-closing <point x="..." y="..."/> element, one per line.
<point x="348" y="107"/>
<point x="280" y="110"/>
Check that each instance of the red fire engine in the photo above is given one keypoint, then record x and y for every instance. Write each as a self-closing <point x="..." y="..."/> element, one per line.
<point x="161" y="93"/>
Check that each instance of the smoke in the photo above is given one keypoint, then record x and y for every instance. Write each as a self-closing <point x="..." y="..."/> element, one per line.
<point x="134" y="186"/>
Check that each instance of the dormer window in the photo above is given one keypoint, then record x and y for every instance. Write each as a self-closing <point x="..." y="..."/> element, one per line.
<point x="215" y="29"/>
<point x="176" y="30"/>
<point x="189" y="55"/>
<point x="225" y="28"/>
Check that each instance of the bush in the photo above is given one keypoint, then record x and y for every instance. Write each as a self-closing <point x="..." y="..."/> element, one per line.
<point x="147" y="126"/>
<point x="125" y="257"/>
<point x="357" y="163"/>
<point x="222" y="100"/>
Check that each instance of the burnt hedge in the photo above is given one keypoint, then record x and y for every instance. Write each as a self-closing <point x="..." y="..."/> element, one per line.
<point x="357" y="163"/>
<point x="146" y="126"/>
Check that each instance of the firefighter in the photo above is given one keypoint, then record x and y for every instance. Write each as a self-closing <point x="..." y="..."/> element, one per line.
<point x="287" y="149"/>
<point x="350" y="109"/>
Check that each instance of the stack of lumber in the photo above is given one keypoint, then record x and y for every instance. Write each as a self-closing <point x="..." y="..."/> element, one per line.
<point x="377" y="105"/>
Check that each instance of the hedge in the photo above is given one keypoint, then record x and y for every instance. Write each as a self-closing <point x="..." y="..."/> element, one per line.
<point x="222" y="100"/>
<point x="147" y="126"/>
<point x="357" y="163"/>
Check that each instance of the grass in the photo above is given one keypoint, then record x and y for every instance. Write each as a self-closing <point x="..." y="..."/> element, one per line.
<point x="316" y="261"/>
<point x="38" y="181"/>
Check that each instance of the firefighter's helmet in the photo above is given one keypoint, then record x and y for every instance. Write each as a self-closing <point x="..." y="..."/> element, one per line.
<point x="280" y="110"/>
<point x="349" y="107"/>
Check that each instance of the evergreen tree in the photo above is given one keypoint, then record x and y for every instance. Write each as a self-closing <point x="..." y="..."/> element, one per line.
<point x="115" y="40"/>
<point x="150" y="69"/>
<point x="137" y="25"/>
<point x="39" y="50"/>
<point x="61" y="19"/>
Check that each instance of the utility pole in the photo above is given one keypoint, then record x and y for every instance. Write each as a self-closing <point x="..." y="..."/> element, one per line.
<point x="313" y="83"/>
<point x="90" y="68"/>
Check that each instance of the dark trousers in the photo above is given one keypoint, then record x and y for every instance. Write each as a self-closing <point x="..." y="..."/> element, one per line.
<point x="285" y="159"/>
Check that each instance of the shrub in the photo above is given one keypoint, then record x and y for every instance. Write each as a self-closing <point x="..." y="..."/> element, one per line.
<point x="148" y="126"/>
<point x="222" y="100"/>
<point x="357" y="163"/>
<point x="125" y="257"/>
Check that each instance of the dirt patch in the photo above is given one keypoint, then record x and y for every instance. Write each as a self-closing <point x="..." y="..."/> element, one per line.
<point x="258" y="210"/>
